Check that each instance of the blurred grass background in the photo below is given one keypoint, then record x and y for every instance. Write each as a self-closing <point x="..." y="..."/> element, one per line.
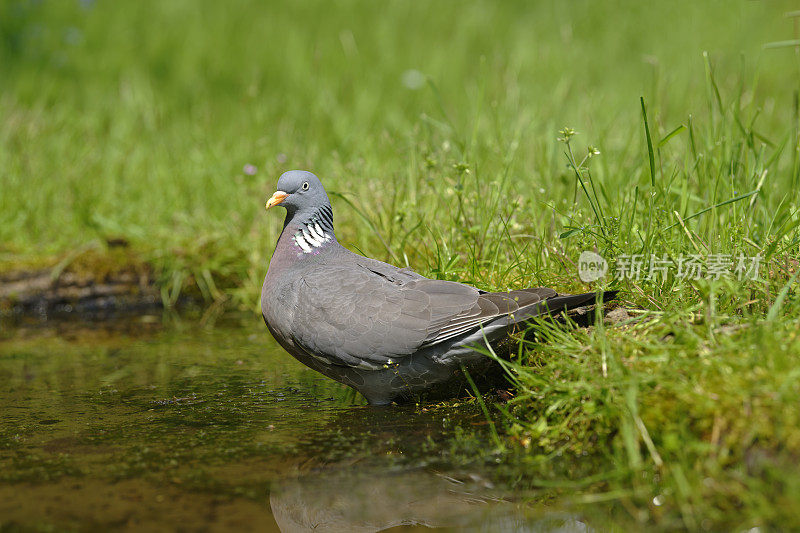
<point x="167" y="124"/>
<point x="136" y="120"/>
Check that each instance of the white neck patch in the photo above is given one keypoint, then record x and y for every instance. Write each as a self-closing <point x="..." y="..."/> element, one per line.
<point x="310" y="237"/>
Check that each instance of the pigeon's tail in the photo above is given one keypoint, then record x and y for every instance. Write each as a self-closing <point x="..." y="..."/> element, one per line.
<point x="566" y="302"/>
<point x="562" y="303"/>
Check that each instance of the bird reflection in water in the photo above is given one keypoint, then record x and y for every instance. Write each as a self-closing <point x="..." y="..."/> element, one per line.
<point x="376" y="500"/>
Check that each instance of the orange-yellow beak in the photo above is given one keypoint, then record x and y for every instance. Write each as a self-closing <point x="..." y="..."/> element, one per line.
<point x="276" y="198"/>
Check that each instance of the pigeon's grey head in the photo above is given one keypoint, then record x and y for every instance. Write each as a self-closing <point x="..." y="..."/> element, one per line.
<point x="300" y="192"/>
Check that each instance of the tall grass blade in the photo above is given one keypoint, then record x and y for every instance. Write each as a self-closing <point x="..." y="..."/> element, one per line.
<point x="650" y="153"/>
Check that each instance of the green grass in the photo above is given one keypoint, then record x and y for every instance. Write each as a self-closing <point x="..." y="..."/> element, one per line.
<point x="136" y="121"/>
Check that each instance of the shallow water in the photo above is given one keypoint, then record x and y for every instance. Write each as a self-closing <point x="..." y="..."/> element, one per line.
<point x="139" y="425"/>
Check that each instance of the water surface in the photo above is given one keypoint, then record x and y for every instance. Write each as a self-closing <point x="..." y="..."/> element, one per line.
<point x="136" y="425"/>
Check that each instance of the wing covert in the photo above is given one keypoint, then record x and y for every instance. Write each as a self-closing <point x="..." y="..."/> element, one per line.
<point x="361" y="317"/>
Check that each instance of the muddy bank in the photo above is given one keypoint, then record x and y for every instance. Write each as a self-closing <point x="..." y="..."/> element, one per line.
<point x="45" y="292"/>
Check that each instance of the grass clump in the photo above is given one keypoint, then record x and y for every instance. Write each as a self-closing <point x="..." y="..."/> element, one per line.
<point x="695" y="428"/>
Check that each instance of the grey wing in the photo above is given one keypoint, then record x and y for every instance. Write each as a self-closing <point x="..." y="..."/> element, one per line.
<point x="355" y="316"/>
<point x="366" y="316"/>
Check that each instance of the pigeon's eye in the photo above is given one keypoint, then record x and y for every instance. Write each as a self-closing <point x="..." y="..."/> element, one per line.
<point x="305" y="186"/>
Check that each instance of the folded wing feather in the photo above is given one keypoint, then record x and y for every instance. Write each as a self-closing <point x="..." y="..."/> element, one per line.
<point x="388" y="313"/>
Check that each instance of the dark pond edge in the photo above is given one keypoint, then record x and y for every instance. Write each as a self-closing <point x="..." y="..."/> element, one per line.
<point x="46" y="293"/>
